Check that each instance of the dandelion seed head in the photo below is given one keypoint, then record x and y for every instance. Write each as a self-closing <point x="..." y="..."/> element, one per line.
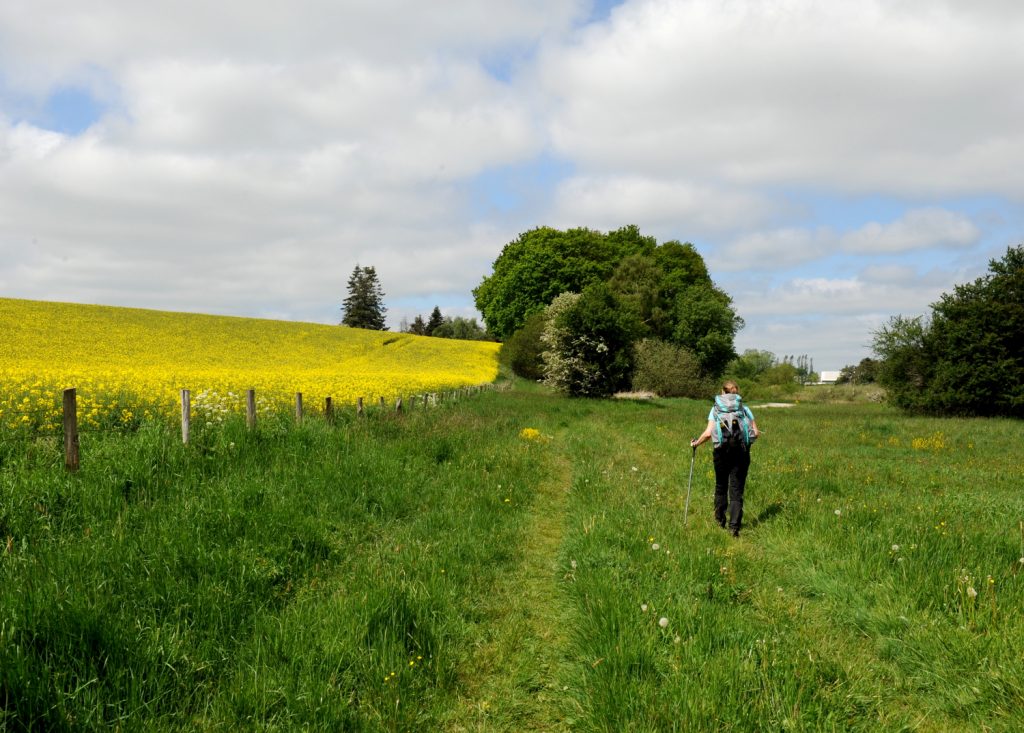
<point x="971" y="592"/>
<point x="663" y="622"/>
<point x="895" y="548"/>
<point x="839" y="512"/>
<point x="643" y="607"/>
<point x="655" y="547"/>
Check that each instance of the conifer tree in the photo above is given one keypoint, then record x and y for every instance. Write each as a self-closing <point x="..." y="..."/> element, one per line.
<point x="436" y="319"/>
<point x="364" y="306"/>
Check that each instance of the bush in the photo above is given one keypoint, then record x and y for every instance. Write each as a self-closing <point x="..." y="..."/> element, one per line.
<point x="522" y="352"/>
<point x="588" y="343"/>
<point x="669" y="371"/>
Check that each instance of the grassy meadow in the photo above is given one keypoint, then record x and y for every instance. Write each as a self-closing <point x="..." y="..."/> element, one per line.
<point x="515" y="561"/>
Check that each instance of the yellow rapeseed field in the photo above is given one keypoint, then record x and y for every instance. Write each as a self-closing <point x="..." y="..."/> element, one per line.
<point x="130" y="364"/>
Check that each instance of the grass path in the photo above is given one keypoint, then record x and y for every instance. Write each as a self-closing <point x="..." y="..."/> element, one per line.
<point x="512" y="680"/>
<point x="521" y="674"/>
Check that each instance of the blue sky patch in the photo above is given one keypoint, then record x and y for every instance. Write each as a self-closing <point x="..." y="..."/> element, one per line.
<point x="505" y="190"/>
<point x="70" y="111"/>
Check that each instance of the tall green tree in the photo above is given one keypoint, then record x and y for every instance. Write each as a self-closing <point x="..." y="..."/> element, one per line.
<point x="904" y="346"/>
<point x="364" y="305"/>
<point x="663" y="291"/>
<point x="968" y="357"/>
<point x="637" y="283"/>
<point x="682" y="267"/>
<point x="542" y="263"/>
<point x="706" y="324"/>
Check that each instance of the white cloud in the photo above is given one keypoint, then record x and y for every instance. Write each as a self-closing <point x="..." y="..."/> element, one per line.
<point x="26" y="143"/>
<point x="46" y="41"/>
<point x="658" y="206"/>
<point x="776" y="249"/>
<point x="844" y="295"/>
<point x="917" y="229"/>
<point x="906" y="98"/>
<point x="381" y="117"/>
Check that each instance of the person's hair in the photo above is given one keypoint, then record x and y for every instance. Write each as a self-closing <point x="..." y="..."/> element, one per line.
<point x="729" y="384"/>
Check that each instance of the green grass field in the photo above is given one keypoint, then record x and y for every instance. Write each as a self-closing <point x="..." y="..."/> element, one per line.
<point x="443" y="571"/>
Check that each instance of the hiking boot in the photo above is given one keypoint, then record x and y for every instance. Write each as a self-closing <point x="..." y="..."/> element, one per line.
<point x="735" y="533"/>
<point x="721" y="520"/>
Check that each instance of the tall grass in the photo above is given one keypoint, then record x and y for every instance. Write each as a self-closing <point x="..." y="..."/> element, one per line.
<point x="449" y="570"/>
<point x="311" y="576"/>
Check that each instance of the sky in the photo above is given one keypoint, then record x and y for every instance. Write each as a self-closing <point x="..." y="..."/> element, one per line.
<point x="835" y="163"/>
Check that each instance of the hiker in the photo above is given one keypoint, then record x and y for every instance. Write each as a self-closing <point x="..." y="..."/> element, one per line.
<point x="732" y="427"/>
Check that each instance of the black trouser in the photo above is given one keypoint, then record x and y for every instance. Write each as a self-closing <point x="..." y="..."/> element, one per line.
<point x="731" y="466"/>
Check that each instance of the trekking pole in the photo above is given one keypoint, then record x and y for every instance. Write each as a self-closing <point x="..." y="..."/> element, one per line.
<point x="686" y="510"/>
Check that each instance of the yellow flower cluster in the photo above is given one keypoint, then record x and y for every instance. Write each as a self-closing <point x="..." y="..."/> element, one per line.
<point x="936" y="442"/>
<point x="129" y="364"/>
<point x="530" y="434"/>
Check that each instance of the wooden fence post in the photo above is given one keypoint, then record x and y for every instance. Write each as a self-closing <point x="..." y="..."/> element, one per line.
<point x="398" y="404"/>
<point x="250" y="408"/>
<point x="186" y="414"/>
<point x="383" y="405"/>
<point x="359" y="406"/>
<point x="328" y="410"/>
<point x="70" y="430"/>
<point x="298" y="407"/>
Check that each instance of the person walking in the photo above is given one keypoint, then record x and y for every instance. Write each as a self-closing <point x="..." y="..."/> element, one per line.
<point x="732" y="428"/>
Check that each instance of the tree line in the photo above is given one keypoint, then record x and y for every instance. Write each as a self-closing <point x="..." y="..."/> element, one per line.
<point x="442" y="326"/>
<point x="363" y="307"/>
<point x="592" y="313"/>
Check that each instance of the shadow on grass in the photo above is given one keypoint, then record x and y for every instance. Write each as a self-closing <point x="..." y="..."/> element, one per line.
<point x="767" y="513"/>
